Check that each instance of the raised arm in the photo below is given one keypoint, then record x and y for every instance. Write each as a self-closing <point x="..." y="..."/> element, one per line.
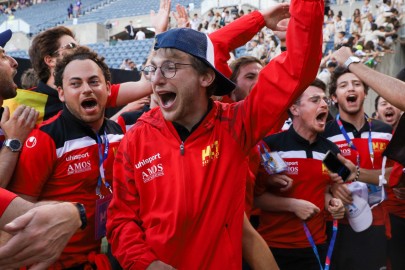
<point x="392" y="90"/>
<point x="287" y="75"/>
<point x="132" y="91"/>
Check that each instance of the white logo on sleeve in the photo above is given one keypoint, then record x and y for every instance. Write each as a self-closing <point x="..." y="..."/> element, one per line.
<point x="31" y="142"/>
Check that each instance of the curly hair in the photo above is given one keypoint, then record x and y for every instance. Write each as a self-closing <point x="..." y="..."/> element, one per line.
<point x="80" y="53"/>
<point x="339" y="71"/>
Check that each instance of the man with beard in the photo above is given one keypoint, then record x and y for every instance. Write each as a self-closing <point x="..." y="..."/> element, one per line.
<point x="50" y="45"/>
<point x="41" y="232"/>
<point x="70" y="157"/>
<point x="307" y="198"/>
<point x="15" y="128"/>
<point x="386" y="112"/>
<point x="362" y="140"/>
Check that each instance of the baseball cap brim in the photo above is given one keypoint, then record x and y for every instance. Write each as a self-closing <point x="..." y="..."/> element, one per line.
<point x="362" y="221"/>
<point x="5" y="37"/>
<point x="198" y="45"/>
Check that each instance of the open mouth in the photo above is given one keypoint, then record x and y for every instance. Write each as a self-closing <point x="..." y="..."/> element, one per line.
<point x="389" y="115"/>
<point x="167" y="98"/>
<point x="351" y="98"/>
<point x="322" y="117"/>
<point x="89" y="104"/>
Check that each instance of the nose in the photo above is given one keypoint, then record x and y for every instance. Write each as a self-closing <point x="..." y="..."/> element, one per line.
<point x="324" y="102"/>
<point x="158" y="77"/>
<point x="87" y="88"/>
<point x="13" y="62"/>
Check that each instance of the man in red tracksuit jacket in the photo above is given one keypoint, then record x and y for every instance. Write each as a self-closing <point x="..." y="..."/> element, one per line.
<point x="180" y="172"/>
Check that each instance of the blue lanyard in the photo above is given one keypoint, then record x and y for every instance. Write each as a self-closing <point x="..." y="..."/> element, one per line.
<point x="102" y="158"/>
<point x="350" y="142"/>
<point x="330" y="248"/>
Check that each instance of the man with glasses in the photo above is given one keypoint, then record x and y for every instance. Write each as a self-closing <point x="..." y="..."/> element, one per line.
<point x="301" y="193"/>
<point x="180" y="172"/>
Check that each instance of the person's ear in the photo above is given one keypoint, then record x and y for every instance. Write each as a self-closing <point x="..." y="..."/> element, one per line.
<point x="208" y="78"/>
<point x="61" y="94"/>
<point x="50" y="61"/>
<point x="294" y="110"/>
<point x="334" y="99"/>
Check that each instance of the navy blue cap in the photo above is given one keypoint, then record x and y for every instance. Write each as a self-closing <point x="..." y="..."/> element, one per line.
<point x="199" y="45"/>
<point x="5" y="37"/>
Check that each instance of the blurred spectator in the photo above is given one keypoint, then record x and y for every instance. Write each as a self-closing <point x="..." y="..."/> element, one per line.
<point x="356" y="25"/>
<point x="366" y="9"/>
<point x="29" y="79"/>
<point x="140" y="35"/>
<point x="340" y="39"/>
<point x="367" y="25"/>
<point x="325" y="74"/>
<point x="195" y="21"/>
<point x="132" y="66"/>
<point x="70" y="11"/>
<point x="77" y="8"/>
<point x="387" y="113"/>
<point x="340" y="24"/>
<point x="113" y="41"/>
<point x="125" y="64"/>
<point x="130" y="30"/>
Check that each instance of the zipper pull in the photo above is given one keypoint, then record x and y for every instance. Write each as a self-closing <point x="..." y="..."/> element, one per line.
<point x="182" y="148"/>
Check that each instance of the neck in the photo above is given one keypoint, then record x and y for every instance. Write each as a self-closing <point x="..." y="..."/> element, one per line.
<point x="305" y="133"/>
<point x="51" y="82"/>
<point x="200" y="110"/>
<point x="96" y="126"/>
<point x="357" y="120"/>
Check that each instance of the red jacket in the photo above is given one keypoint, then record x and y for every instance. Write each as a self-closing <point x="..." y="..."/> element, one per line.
<point x="183" y="203"/>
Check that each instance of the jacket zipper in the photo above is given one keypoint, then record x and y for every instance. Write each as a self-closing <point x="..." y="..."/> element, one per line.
<point x="182" y="148"/>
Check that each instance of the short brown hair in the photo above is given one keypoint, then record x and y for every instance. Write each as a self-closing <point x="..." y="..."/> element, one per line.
<point x="339" y="71"/>
<point x="241" y="62"/>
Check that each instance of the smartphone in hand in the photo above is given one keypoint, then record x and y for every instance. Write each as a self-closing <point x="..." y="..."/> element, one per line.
<point x="335" y="165"/>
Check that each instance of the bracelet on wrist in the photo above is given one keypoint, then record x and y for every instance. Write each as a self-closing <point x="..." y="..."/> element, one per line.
<point x="357" y="174"/>
<point x="82" y="214"/>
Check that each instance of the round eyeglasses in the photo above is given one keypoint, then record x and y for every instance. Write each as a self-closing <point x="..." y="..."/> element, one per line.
<point x="68" y="46"/>
<point x="167" y="69"/>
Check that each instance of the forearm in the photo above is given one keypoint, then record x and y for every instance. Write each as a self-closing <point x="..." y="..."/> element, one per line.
<point x="270" y="202"/>
<point x="17" y="207"/>
<point x="287" y="75"/>
<point x="255" y="250"/>
<point x="232" y="36"/>
<point x="131" y="91"/>
<point x="372" y="176"/>
<point x="393" y="90"/>
<point x="328" y="197"/>
<point x="8" y="161"/>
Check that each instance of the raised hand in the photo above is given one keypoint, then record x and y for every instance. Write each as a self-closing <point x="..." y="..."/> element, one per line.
<point x="20" y="124"/>
<point x="274" y="15"/>
<point x="160" y="20"/>
<point x="181" y="17"/>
